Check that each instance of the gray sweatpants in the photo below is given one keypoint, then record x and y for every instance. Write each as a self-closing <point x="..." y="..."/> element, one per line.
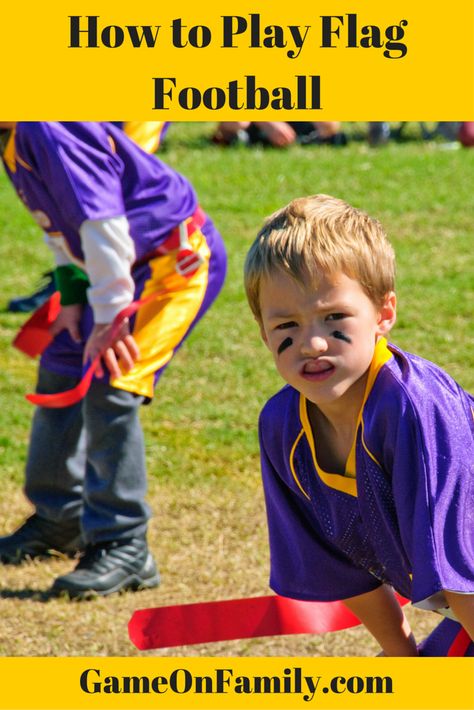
<point x="88" y="461"/>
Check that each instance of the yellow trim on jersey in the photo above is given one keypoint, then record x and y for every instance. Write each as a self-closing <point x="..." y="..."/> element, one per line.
<point x="382" y="355"/>
<point x="292" y="463"/>
<point x="333" y="480"/>
<point x="11" y="157"/>
<point x="161" y="324"/>
<point x="347" y="482"/>
<point x="9" y="154"/>
<point x="146" y="134"/>
<point x="23" y="164"/>
<point x="366" y="448"/>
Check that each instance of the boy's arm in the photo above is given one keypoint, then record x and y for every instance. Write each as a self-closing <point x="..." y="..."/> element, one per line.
<point x="109" y="253"/>
<point x="424" y="439"/>
<point x="382" y="615"/>
<point x="463" y="607"/>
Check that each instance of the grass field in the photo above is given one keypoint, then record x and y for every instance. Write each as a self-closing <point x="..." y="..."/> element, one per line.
<point x="208" y="529"/>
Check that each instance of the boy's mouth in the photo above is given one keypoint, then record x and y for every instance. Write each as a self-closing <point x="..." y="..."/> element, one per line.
<point x="317" y="370"/>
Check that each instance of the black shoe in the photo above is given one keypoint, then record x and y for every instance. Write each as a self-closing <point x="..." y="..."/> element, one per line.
<point x="24" y="304"/>
<point x="38" y="537"/>
<point x="110" y="567"/>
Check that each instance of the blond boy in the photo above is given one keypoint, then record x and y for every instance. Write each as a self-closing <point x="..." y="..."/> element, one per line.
<point x="367" y="453"/>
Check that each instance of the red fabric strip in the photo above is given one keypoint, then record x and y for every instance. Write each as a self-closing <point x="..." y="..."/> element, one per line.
<point x="196" y="221"/>
<point x="68" y="397"/>
<point x="74" y="395"/>
<point x="186" y="624"/>
<point x="460" y="644"/>
<point x="34" y="335"/>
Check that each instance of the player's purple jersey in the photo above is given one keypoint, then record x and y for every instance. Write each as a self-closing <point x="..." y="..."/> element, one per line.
<point x="67" y="173"/>
<point x="402" y="514"/>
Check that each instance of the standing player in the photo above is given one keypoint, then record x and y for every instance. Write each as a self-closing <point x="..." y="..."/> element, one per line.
<point x="117" y="220"/>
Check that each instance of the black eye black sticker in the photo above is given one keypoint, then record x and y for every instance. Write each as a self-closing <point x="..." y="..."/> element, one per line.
<point x="341" y="336"/>
<point x="284" y="345"/>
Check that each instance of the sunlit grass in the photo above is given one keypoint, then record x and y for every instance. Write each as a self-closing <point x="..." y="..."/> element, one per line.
<point x="209" y="527"/>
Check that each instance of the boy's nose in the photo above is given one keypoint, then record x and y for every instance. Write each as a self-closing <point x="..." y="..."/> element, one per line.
<point x="314" y="345"/>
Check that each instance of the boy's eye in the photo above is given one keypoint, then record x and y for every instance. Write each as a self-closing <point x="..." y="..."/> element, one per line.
<point x="335" y="316"/>
<point x="287" y="324"/>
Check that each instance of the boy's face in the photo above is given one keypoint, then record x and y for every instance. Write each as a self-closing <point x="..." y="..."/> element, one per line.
<point x="323" y="338"/>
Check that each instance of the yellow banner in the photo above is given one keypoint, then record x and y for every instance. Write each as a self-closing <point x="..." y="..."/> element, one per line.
<point x="236" y="683"/>
<point x="358" y="59"/>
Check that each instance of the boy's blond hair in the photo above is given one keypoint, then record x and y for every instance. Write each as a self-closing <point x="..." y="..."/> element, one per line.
<point x="321" y="234"/>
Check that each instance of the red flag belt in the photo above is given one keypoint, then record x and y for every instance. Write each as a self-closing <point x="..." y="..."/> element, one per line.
<point x="174" y="238"/>
<point x="187" y="624"/>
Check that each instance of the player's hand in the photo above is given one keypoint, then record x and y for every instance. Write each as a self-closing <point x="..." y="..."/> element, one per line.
<point x="118" y="354"/>
<point x="279" y="134"/>
<point x="68" y="319"/>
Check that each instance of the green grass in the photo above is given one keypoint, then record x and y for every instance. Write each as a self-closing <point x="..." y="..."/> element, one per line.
<point x="201" y="430"/>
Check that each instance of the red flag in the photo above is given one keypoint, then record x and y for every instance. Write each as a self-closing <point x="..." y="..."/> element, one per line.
<point x="186" y="624"/>
<point x="34" y="335"/>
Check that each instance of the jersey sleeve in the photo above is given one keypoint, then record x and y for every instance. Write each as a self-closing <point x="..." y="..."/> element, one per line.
<point x="429" y="450"/>
<point x="78" y="168"/>
<point x="303" y="565"/>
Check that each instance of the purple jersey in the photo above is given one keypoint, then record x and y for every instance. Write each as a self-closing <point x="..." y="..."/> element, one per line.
<point x="402" y="514"/>
<point x="67" y="173"/>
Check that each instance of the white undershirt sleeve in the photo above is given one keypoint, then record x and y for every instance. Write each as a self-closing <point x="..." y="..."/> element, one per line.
<point x="109" y="252"/>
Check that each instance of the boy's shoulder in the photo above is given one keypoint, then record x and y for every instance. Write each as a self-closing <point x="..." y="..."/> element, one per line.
<point x="410" y="377"/>
<point x="410" y="391"/>
<point x="280" y="404"/>
<point x="280" y="428"/>
<point x="42" y="132"/>
<point x="25" y="128"/>
<point x="59" y="132"/>
<point x="37" y="138"/>
<point x="29" y="133"/>
<point x="279" y="417"/>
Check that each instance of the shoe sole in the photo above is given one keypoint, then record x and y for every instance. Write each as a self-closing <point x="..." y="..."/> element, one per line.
<point x="131" y="584"/>
<point x="24" y="558"/>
